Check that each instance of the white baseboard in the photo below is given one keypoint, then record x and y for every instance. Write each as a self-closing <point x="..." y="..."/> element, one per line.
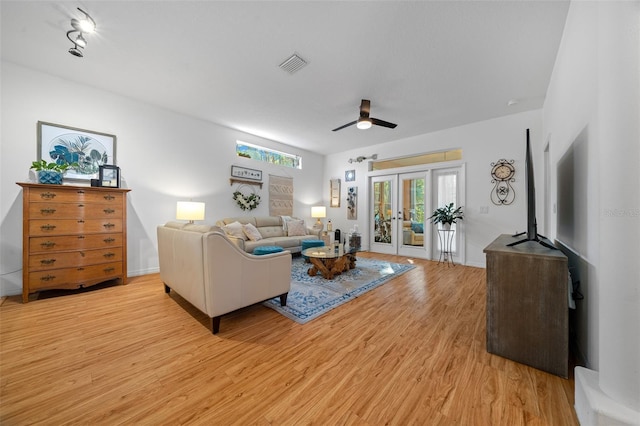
<point x="143" y="272"/>
<point x="595" y="408"/>
<point x="477" y="264"/>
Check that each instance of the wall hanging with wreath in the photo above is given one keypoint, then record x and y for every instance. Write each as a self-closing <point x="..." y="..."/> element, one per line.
<point x="246" y="202"/>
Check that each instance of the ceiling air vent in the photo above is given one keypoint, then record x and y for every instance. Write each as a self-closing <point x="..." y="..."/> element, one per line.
<point x="293" y="64"/>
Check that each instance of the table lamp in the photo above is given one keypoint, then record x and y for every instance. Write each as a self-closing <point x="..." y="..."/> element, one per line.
<point x="190" y="210"/>
<point x="318" y="212"/>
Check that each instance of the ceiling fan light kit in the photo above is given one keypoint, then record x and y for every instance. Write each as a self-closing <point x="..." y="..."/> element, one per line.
<point x="365" y="122"/>
<point x="81" y="26"/>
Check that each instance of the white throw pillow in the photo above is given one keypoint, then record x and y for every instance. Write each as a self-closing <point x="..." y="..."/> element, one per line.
<point x="296" y="228"/>
<point x="251" y="232"/>
<point x="235" y="230"/>
<point x="285" y="220"/>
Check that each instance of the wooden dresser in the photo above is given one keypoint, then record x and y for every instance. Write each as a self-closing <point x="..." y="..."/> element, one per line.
<point x="72" y="236"/>
<point x="528" y="304"/>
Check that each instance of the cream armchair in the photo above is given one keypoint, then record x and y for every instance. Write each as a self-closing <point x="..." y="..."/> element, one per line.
<point x="200" y="264"/>
<point x="410" y="236"/>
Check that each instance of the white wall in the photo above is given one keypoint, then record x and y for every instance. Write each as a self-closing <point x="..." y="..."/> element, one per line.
<point x="164" y="157"/>
<point x="592" y="118"/>
<point x="571" y="126"/>
<point x="482" y="143"/>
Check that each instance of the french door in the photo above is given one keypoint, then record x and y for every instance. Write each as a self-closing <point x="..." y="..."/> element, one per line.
<point x="384" y="207"/>
<point x="401" y="205"/>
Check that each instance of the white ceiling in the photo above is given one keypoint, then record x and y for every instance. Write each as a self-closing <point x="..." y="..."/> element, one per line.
<point x="425" y="65"/>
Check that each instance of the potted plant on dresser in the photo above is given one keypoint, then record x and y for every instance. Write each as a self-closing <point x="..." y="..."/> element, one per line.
<point x="51" y="173"/>
<point x="447" y="215"/>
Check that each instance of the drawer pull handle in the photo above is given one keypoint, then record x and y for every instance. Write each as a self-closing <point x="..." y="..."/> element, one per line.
<point x="109" y="211"/>
<point x="47" y="261"/>
<point x="109" y="197"/>
<point x="109" y="254"/>
<point x="80" y="205"/>
<point x="109" y="240"/>
<point x="47" y="244"/>
<point x="80" y="269"/>
<point x="81" y="221"/>
<point x="108" y="225"/>
<point x="47" y="277"/>
<point x="47" y="227"/>
<point x="48" y="195"/>
<point x="81" y="237"/>
<point x="110" y="269"/>
<point x="80" y="191"/>
<point x="47" y="211"/>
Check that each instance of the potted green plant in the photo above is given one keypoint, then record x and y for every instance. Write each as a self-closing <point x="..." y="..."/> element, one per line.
<point x="447" y="215"/>
<point x="51" y="173"/>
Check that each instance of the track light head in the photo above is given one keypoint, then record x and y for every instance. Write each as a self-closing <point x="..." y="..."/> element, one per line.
<point x="80" y="41"/>
<point x="76" y="52"/>
<point x="86" y="25"/>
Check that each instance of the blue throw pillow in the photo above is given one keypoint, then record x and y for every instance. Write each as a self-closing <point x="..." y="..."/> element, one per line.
<point x="418" y="228"/>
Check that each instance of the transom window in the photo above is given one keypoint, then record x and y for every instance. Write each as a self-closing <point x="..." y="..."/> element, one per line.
<point x="417" y="160"/>
<point x="260" y="153"/>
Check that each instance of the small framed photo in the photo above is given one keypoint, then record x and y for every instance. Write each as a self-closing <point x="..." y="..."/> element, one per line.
<point x="349" y="175"/>
<point x="109" y="176"/>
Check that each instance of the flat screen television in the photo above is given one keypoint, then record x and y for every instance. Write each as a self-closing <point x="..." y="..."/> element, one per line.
<point x="530" y="188"/>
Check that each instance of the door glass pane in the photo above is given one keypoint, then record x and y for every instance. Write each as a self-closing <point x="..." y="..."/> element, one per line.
<point x="413" y="193"/>
<point x="382" y="230"/>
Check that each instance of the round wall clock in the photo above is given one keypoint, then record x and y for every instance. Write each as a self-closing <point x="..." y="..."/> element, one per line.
<point x="502" y="173"/>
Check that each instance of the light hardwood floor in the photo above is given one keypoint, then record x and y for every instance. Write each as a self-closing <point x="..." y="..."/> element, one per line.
<point x="409" y="352"/>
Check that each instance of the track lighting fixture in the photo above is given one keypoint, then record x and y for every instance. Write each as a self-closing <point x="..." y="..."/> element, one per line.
<point x="361" y="158"/>
<point x="82" y="26"/>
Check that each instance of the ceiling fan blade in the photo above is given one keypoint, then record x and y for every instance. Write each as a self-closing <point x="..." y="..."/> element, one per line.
<point x="383" y="123"/>
<point x="346" y="125"/>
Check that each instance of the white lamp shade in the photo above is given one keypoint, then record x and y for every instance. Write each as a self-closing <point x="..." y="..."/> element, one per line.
<point x="190" y="210"/>
<point x="318" y="211"/>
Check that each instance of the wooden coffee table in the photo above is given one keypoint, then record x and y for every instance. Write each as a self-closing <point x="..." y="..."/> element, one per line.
<point x="329" y="261"/>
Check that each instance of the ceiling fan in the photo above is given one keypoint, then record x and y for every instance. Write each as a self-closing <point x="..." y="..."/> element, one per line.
<point x="364" y="122"/>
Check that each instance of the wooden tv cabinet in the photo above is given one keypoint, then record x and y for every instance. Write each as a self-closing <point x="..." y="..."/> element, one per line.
<point x="527" y="304"/>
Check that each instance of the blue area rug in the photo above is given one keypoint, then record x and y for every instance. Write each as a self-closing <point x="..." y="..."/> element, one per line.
<point x="311" y="297"/>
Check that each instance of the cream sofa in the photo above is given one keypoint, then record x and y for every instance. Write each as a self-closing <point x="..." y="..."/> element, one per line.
<point x="272" y="231"/>
<point x="203" y="266"/>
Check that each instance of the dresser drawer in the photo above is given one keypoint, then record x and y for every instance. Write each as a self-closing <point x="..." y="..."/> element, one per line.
<point x="67" y="195"/>
<point x="39" y="227"/>
<point x="74" y="242"/>
<point x="41" y="262"/>
<point x="74" y="277"/>
<point x="74" y="210"/>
